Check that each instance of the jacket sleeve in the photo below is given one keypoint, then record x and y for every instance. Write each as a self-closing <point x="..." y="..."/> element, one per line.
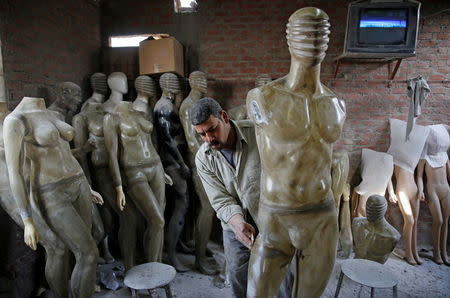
<point x="222" y="202"/>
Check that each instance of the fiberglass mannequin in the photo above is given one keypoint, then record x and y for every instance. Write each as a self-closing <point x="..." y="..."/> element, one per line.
<point x="117" y="82"/>
<point x="99" y="89"/>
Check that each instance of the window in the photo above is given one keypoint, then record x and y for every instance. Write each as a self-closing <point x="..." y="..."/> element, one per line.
<point x="185" y="6"/>
<point x="132" y="40"/>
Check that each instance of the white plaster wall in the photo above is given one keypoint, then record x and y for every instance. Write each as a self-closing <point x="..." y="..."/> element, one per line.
<point x="2" y="79"/>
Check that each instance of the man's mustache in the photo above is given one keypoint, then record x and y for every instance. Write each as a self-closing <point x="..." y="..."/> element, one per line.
<point x="213" y="143"/>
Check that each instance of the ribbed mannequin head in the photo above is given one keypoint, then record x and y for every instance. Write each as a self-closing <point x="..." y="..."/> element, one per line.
<point x="98" y="83"/>
<point x="307" y="34"/>
<point x="197" y="81"/>
<point x="117" y="81"/>
<point x="145" y="85"/>
<point x="69" y="95"/>
<point x="169" y="83"/>
<point x="375" y="208"/>
<point x="262" y="79"/>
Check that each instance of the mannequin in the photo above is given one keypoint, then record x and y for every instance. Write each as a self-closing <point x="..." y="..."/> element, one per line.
<point x="144" y="102"/>
<point x="99" y="88"/>
<point x="436" y="166"/>
<point x="406" y="156"/>
<point x="340" y="187"/>
<point x="203" y="225"/>
<point x="240" y="112"/>
<point x="117" y="82"/>
<point x="88" y="125"/>
<point x="297" y="119"/>
<point x="59" y="187"/>
<point x="67" y="101"/>
<point x="168" y="126"/>
<point x="376" y="172"/>
<point x="127" y="140"/>
<point x="375" y="238"/>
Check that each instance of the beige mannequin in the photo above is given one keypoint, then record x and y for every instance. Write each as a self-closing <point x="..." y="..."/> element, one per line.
<point x="58" y="183"/>
<point x="117" y="82"/>
<point x="376" y="172"/>
<point x="406" y="156"/>
<point x="127" y="140"/>
<point x="203" y="225"/>
<point x="297" y="119"/>
<point x="374" y="237"/>
<point x="88" y="125"/>
<point x="436" y="166"/>
<point x="340" y="187"/>
<point x="99" y="87"/>
<point x="67" y="101"/>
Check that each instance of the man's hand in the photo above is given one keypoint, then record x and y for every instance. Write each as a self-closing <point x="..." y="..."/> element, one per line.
<point x="244" y="231"/>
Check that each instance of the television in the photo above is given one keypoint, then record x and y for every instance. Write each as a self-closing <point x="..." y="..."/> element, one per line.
<point x="382" y="28"/>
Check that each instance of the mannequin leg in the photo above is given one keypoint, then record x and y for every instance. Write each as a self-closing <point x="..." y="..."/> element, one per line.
<point x="408" y="223"/>
<point x="57" y="271"/>
<point x="445" y="204"/>
<point x="415" y="205"/>
<point x="361" y="211"/>
<point x="156" y="179"/>
<point x="436" y="213"/>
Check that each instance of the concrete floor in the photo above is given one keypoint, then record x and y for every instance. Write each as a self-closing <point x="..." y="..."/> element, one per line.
<point x="426" y="280"/>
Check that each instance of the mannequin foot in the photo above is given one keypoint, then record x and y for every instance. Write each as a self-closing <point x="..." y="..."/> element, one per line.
<point x="438" y="260"/>
<point x="175" y="262"/>
<point x="182" y="247"/>
<point x="410" y="260"/>
<point x="204" y="267"/>
<point x="418" y="260"/>
<point x="209" y="252"/>
<point x="109" y="258"/>
<point x="101" y="261"/>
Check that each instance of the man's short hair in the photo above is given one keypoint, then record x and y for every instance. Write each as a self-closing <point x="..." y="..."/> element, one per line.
<point x="202" y="109"/>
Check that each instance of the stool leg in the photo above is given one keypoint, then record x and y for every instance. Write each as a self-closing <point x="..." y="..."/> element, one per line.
<point x="372" y="292"/>
<point x="338" y="288"/>
<point x="168" y="291"/>
<point x="133" y="293"/>
<point x="395" y="291"/>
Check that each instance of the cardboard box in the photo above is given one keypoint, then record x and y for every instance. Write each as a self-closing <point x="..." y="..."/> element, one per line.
<point x="161" y="55"/>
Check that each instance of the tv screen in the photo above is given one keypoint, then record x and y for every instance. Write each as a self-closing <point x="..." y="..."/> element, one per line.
<point x="383" y="26"/>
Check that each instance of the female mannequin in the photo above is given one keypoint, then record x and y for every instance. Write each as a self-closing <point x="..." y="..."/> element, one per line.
<point x="117" y="82"/>
<point x="406" y="157"/>
<point x="127" y="140"/>
<point x="297" y="119"/>
<point x="99" y="88"/>
<point x="58" y="183"/>
<point x="168" y="126"/>
<point x="437" y="169"/>
<point x="88" y="125"/>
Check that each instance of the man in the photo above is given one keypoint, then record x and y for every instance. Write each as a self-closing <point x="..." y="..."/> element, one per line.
<point x="229" y="166"/>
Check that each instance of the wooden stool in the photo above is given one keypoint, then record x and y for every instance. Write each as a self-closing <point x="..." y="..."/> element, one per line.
<point x="367" y="273"/>
<point x="150" y="276"/>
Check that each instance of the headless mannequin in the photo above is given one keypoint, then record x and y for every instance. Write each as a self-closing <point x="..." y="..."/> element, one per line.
<point x="88" y="125"/>
<point x="168" y="126"/>
<point x="203" y="225"/>
<point x="339" y="174"/>
<point x="67" y="101"/>
<point x="144" y="102"/>
<point x="99" y="89"/>
<point x="375" y="238"/>
<point x="297" y="120"/>
<point x="62" y="191"/>
<point x="436" y="166"/>
<point x="127" y="139"/>
<point x="117" y="82"/>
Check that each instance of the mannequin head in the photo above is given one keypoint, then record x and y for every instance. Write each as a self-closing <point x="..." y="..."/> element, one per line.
<point x="197" y="81"/>
<point x="145" y="85"/>
<point x="69" y="96"/>
<point x="98" y="83"/>
<point x="375" y="208"/>
<point x="169" y="84"/>
<point x="117" y="82"/>
<point x="307" y="35"/>
<point x="262" y="79"/>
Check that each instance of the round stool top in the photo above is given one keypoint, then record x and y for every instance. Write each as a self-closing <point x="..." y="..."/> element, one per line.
<point x="149" y="276"/>
<point x="369" y="273"/>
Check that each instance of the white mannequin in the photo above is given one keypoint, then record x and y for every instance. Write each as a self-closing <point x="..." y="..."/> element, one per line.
<point x="99" y="88"/>
<point x="117" y="82"/>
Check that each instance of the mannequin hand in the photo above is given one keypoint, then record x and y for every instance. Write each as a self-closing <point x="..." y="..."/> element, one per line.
<point x="185" y="171"/>
<point x="168" y="180"/>
<point x="89" y="146"/>
<point x="420" y="196"/>
<point x="30" y="234"/>
<point x="393" y="198"/>
<point x="244" y="231"/>
<point x="96" y="197"/>
<point x="120" y="197"/>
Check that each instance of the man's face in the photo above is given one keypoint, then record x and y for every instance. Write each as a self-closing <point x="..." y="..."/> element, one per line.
<point x="214" y="131"/>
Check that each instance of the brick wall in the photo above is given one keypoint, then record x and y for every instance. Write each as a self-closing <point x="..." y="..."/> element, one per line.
<point x="48" y="42"/>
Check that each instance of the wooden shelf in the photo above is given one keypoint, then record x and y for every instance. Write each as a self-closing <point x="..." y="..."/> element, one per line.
<point x="372" y="58"/>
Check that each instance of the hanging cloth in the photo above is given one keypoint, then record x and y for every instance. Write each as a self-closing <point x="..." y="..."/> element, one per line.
<point x="418" y="90"/>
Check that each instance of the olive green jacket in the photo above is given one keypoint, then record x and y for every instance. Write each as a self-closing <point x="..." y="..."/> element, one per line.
<point x="232" y="191"/>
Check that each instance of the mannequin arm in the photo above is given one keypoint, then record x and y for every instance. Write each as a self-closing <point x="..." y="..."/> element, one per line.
<point x="111" y="142"/>
<point x="14" y="133"/>
<point x="392" y="196"/>
<point x="419" y="178"/>
<point x="448" y="170"/>
<point x="79" y="141"/>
